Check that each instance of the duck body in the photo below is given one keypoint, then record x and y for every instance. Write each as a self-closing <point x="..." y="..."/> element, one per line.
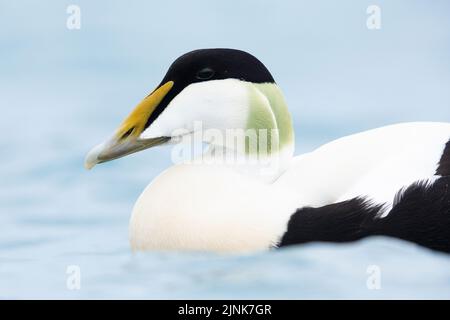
<point x="247" y="192"/>
<point x="342" y="190"/>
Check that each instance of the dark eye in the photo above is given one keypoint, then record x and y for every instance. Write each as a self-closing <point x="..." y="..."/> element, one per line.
<point x="205" y="74"/>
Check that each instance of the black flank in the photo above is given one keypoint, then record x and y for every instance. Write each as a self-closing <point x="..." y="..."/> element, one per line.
<point x="420" y="214"/>
<point x="444" y="164"/>
<point x="340" y="222"/>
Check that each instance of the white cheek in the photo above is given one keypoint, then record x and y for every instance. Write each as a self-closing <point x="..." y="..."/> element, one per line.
<point x="217" y="104"/>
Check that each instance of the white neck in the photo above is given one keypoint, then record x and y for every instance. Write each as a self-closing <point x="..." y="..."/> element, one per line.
<point x="267" y="144"/>
<point x="246" y="121"/>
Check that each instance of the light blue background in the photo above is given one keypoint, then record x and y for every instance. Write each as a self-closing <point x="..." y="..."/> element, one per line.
<point x="63" y="91"/>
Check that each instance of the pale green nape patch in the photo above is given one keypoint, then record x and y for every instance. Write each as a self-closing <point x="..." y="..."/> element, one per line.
<point x="260" y="117"/>
<point x="280" y="110"/>
<point x="268" y="110"/>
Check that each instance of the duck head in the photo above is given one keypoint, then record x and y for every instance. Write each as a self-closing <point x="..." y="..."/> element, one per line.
<point x="221" y="88"/>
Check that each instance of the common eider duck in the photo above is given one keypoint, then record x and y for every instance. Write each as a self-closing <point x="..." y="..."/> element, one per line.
<point x="248" y="192"/>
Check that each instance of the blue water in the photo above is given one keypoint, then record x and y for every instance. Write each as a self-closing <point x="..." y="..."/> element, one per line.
<point x="62" y="91"/>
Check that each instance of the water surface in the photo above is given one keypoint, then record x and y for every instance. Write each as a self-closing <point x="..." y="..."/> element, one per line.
<point x="63" y="91"/>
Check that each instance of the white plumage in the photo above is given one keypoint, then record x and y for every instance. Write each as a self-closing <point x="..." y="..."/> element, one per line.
<point x="203" y="207"/>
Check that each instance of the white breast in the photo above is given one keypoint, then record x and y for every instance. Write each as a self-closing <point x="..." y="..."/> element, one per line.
<point x="209" y="207"/>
